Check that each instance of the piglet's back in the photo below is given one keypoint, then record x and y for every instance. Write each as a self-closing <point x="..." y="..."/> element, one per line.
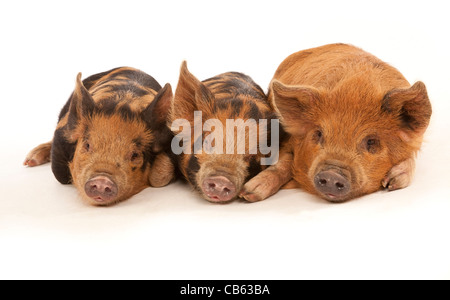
<point x="331" y="66"/>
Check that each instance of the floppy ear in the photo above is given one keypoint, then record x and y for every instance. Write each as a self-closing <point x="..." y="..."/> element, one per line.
<point x="293" y="104"/>
<point x="81" y="105"/>
<point x="156" y="115"/>
<point x="411" y="107"/>
<point x="190" y="95"/>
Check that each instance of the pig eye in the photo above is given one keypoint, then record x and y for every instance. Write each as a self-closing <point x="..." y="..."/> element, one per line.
<point x="87" y="146"/>
<point x="372" y="144"/>
<point x="134" y="156"/>
<point x="318" y="137"/>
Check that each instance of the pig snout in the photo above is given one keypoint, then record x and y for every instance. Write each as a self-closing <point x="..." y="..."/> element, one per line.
<point x="332" y="185"/>
<point x="219" y="189"/>
<point x="101" y="189"/>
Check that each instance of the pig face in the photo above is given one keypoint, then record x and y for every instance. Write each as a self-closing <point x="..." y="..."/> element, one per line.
<point x="209" y="110"/>
<point x="346" y="140"/>
<point x="111" y="145"/>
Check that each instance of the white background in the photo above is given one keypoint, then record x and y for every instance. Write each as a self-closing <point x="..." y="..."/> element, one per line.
<point x="46" y="231"/>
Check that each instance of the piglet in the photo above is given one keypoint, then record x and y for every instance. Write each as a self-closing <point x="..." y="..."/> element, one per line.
<point x="111" y="140"/>
<point x="355" y="123"/>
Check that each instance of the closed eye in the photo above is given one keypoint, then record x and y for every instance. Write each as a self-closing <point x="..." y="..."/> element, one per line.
<point x="134" y="156"/>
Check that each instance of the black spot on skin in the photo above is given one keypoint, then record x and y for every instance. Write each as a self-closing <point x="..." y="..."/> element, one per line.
<point x="133" y="169"/>
<point x="236" y="105"/>
<point x="126" y="112"/>
<point x="192" y="169"/>
<point x="149" y="158"/>
<point x="222" y="105"/>
<point x="61" y="154"/>
<point x="107" y="106"/>
<point x="253" y="112"/>
<point x="254" y="168"/>
<point x="118" y="165"/>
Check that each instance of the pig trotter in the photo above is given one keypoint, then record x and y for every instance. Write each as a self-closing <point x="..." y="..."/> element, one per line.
<point x="162" y="171"/>
<point x="269" y="181"/>
<point x="400" y="175"/>
<point x="39" y="155"/>
<point x="260" y="187"/>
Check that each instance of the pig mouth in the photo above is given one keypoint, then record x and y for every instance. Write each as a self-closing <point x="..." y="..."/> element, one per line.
<point x="334" y="198"/>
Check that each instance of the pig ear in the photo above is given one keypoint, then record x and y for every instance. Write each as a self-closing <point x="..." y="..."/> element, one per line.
<point x="81" y="104"/>
<point x="190" y="95"/>
<point x="156" y="116"/>
<point x="158" y="110"/>
<point x="293" y="104"/>
<point x="411" y="107"/>
<point x="204" y="100"/>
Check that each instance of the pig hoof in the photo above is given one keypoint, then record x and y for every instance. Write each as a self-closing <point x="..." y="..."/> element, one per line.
<point x="254" y="191"/>
<point x="38" y="156"/>
<point x="399" y="182"/>
<point x="250" y="197"/>
<point x="162" y="171"/>
<point x="399" y="176"/>
<point x="30" y="162"/>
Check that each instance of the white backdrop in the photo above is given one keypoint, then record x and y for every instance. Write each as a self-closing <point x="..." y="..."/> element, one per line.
<point x="170" y="233"/>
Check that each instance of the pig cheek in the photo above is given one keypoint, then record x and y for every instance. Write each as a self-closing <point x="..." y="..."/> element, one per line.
<point x="79" y="169"/>
<point x="379" y="167"/>
<point x="132" y="179"/>
<point x="303" y="164"/>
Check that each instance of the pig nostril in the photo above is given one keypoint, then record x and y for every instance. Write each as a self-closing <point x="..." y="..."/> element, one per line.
<point x="218" y="189"/>
<point x="332" y="184"/>
<point x="340" y="186"/>
<point x="101" y="189"/>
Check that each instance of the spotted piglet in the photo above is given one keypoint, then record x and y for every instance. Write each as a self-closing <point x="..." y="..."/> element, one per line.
<point x="111" y="140"/>
<point x="226" y="134"/>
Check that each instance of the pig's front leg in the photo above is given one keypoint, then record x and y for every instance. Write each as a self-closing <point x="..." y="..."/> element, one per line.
<point x="400" y="176"/>
<point x="269" y="181"/>
<point x="39" y="155"/>
<point x="162" y="171"/>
